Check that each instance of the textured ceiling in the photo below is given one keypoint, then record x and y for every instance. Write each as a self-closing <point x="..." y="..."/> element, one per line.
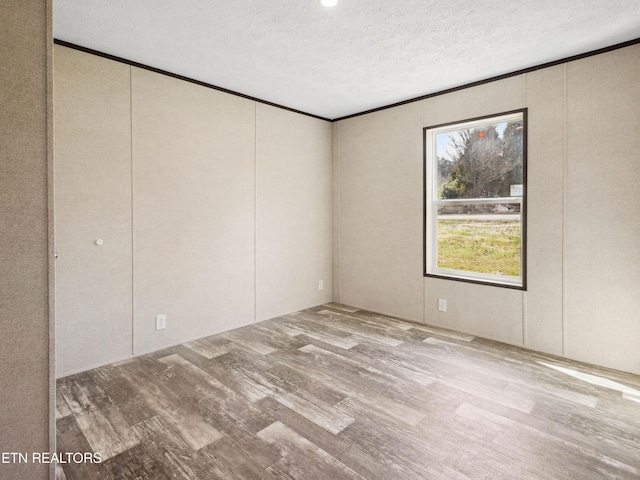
<point x="360" y="55"/>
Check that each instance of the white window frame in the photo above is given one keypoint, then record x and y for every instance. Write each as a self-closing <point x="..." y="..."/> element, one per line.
<point x="431" y="203"/>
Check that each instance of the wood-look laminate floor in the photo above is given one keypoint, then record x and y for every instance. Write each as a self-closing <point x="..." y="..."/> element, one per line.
<point x="333" y="392"/>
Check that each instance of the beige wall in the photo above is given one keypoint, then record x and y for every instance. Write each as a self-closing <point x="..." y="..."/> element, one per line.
<point x="380" y="211"/>
<point x="202" y="159"/>
<point x="93" y="202"/>
<point x="24" y="286"/>
<point x="208" y="205"/>
<point x="293" y="212"/>
<point x="602" y="232"/>
<point x="543" y="316"/>
<point x="583" y="261"/>
<point x="193" y="210"/>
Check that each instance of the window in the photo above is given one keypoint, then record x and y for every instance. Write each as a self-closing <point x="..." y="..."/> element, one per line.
<point x="475" y="200"/>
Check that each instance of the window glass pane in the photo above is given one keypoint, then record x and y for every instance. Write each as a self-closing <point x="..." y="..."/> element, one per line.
<point x="483" y="161"/>
<point x="480" y="238"/>
<point x="475" y="200"/>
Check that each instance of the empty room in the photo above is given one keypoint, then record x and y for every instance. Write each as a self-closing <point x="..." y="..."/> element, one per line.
<point x="320" y="240"/>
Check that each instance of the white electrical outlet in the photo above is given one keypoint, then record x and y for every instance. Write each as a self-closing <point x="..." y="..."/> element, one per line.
<point x="161" y="322"/>
<point x="442" y="305"/>
<point x="321" y="285"/>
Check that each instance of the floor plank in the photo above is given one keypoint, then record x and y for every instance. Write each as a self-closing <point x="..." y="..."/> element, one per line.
<point x="338" y="392"/>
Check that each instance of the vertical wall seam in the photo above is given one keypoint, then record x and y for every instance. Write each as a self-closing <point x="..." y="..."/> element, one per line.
<point x="422" y="246"/>
<point x="339" y="212"/>
<point x="565" y="181"/>
<point x="255" y="211"/>
<point x="131" y="206"/>
<point x="335" y="212"/>
<point x="525" y="324"/>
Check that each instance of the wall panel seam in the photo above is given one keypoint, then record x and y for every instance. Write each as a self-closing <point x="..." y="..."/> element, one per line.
<point x="255" y="212"/>
<point x="131" y="206"/>
<point x="525" y="325"/>
<point x="339" y="209"/>
<point x="565" y="175"/>
<point x="422" y="260"/>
